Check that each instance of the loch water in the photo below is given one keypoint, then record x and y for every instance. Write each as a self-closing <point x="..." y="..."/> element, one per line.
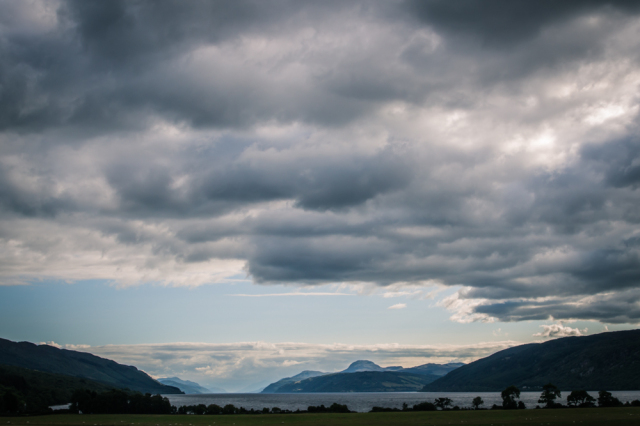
<point x="364" y="401"/>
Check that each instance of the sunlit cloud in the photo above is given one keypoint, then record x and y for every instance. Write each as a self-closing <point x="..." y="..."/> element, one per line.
<point x="559" y="330"/>
<point x="398" y="306"/>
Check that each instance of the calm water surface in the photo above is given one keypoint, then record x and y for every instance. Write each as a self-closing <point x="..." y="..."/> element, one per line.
<point x="363" y="402"/>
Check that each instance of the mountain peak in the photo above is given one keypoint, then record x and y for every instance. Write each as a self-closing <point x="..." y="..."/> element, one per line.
<point x="362" y="365"/>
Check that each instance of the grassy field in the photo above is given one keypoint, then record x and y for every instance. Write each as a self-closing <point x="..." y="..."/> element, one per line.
<point x="573" y="417"/>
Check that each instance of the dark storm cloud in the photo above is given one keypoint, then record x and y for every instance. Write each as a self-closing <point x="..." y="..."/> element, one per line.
<point x="619" y="308"/>
<point x="503" y="22"/>
<point x="121" y="32"/>
<point x="620" y="161"/>
<point x="108" y="64"/>
<point x="489" y="145"/>
<point x="220" y="185"/>
<point x="119" y="64"/>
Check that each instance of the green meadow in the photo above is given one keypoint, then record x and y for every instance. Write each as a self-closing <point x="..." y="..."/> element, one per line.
<point x="580" y="416"/>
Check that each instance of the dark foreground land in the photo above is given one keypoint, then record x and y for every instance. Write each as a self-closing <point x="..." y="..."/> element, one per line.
<point x="580" y="416"/>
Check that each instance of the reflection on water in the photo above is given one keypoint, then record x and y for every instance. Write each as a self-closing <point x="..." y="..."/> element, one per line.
<point x="363" y="402"/>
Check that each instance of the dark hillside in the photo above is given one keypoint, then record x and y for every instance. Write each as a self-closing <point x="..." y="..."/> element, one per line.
<point x="600" y="361"/>
<point x="274" y="387"/>
<point x="364" y="381"/>
<point x="49" y="359"/>
<point x="40" y="390"/>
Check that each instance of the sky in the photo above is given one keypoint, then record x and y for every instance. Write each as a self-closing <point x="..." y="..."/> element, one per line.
<point x="232" y="192"/>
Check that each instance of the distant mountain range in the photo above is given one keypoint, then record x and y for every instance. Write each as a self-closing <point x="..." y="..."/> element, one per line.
<point x="601" y="361"/>
<point x="189" y="387"/>
<point x="363" y="376"/>
<point x="49" y="359"/>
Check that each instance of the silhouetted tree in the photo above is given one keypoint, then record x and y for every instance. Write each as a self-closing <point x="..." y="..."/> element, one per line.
<point x="605" y="399"/>
<point x="549" y="394"/>
<point x="580" y="398"/>
<point x="477" y="402"/>
<point x="443" y="403"/>
<point x="509" y="396"/>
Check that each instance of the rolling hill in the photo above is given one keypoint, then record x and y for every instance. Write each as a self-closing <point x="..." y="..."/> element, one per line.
<point x="601" y="361"/>
<point x="49" y="359"/>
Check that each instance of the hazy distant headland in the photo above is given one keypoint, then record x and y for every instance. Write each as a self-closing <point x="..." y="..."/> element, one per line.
<point x="363" y="376"/>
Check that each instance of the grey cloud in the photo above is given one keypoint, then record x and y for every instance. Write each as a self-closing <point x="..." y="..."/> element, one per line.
<point x="33" y="198"/>
<point x="503" y="22"/>
<point x="335" y="182"/>
<point x="124" y="64"/>
<point x="147" y="189"/>
<point x="620" y="161"/>
<point x="133" y="32"/>
<point x="617" y="308"/>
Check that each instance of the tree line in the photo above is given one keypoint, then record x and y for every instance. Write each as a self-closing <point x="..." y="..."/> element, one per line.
<point x="117" y="401"/>
<point x="550" y="393"/>
<point x="511" y="395"/>
<point x="84" y="401"/>
<point x="202" y="409"/>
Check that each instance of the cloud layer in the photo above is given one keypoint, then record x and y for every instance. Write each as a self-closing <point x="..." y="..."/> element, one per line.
<point x="492" y="146"/>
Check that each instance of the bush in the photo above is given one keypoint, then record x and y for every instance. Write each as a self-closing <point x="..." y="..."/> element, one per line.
<point x="120" y="402"/>
<point x="425" y="406"/>
<point x="333" y="408"/>
<point x="214" y="409"/>
<point x="11" y="404"/>
<point x="383" y="410"/>
<point x="229" y="409"/>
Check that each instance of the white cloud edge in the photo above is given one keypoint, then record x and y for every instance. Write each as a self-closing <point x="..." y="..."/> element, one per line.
<point x="398" y="306"/>
<point x="290" y="294"/>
